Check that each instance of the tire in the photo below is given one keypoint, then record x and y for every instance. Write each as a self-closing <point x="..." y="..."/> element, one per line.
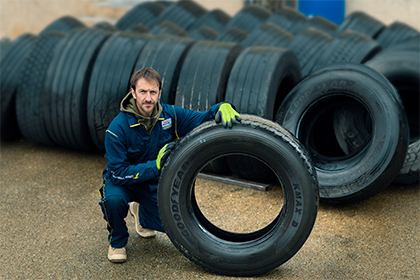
<point x="145" y="13"/>
<point x="412" y="44"/>
<point x="322" y="24"/>
<point x="4" y="44"/>
<point x="168" y="28"/>
<point x="268" y="35"/>
<point x="12" y="61"/>
<point x="215" y="19"/>
<point x="349" y="46"/>
<point x="233" y="35"/>
<point x="289" y="19"/>
<point x="248" y="18"/>
<point x="203" y="33"/>
<point x="308" y="45"/>
<point x="260" y="79"/>
<point x="64" y="24"/>
<point x="106" y="26"/>
<point x="204" y="74"/>
<point x="67" y="86"/>
<point x="222" y="251"/>
<point x="402" y="69"/>
<point x="166" y="55"/>
<point x="110" y="81"/>
<point x="182" y="13"/>
<point x="31" y="90"/>
<point x="396" y="32"/>
<point x="362" y="23"/>
<point x="308" y="112"/>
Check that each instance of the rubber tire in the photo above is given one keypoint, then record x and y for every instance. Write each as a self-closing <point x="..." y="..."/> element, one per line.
<point x="268" y="35"/>
<point x="67" y="85"/>
<point x="306" y="113"/>
<point x="110" y="81"/>
<point x="260" y="80"/>
<point x="402" y="69"/>
<point x="166" y="55"/>
<point x="363" y="23"/>
<point x="203" y="33"/>
<point x="248" y="18"/>
<point x="64" y="24"/>
<point x="348" y="46"/>
<point x="145" y="13"/>
<point x="204" y="74"/>
<point x="225" y="252"/>
<point x="168" y="28"/>
<point x="30" y="92"/>
<point x="289" y="19"/>
<point x="233" y="34"/>
<point x="308" y="45"/>
<point x="395" y="33"/>
<point x="182" y="13"/>
<point x="12" y="61"/>
<point x="322" y="24"/>
<point x="215" y="19"/>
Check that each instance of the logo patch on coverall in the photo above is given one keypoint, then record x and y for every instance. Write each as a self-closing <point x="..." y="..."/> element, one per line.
<point x="166" y="124"/>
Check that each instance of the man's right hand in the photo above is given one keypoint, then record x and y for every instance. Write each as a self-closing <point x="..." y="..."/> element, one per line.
<point x="163" y="154"/>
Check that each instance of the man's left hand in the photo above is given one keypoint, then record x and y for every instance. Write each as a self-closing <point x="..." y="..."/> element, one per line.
<point x="227" y="115"/>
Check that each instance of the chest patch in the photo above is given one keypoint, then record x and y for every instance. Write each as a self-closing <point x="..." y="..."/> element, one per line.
<point x="166" y="124"/>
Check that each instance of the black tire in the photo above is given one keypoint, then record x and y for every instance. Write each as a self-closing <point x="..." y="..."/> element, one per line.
<point x="268" y="35"/>
<point x="145" y="13"/>
<point x="308" y="46"/>
<point x="308" y="112"/>
<point x="260" y="80"/>
<point x="182" y="13"/>
<point x="67" y="86"/>
<point x="233" y="35"/>
<point x="322" y="24"/>
<point x="204" y="74"/>
<point x="412" y="44"/>
<point x="396" y="32"/>
<point x="110" y="81"/>
<point x="64" y="24"/>
<point x="248" y="18"/>
<point x="31" y="89"/>
<point x="166" y="55"/>
<point x="402" y="69"/>
<point x="138" y="28"/>
<point x="106" y="26"/>
<point x="168" y="28"/>
<point x="289" y="19"/>
<point x="348" y="46"/>
<point x="4" y="44"/>
<point x="203" y="33"/>
<point x="362" y="23"/>
<point x="222" y="251"/>
<point x="11" y="65"/>
<point x="215" y="19"/>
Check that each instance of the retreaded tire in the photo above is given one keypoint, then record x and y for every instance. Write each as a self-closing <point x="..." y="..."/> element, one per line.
<point x="308" y="113"/>
<point x="224" y="251"/>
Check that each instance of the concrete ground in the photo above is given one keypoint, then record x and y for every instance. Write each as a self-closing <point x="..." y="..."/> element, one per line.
<point x="51" y="227"/>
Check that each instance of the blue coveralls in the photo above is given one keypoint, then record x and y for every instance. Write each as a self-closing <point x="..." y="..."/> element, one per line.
<point x="131" y="173"/>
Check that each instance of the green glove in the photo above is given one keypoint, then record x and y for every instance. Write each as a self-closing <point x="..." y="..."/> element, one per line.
<point x="227" y="115"/>
<point x="163" y="154"/>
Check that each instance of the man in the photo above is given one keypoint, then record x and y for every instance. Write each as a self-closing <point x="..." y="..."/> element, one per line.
<point x="137" y="143"/>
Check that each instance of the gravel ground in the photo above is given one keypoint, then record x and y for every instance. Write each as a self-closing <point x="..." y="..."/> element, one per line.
<point x="52" y="227"/>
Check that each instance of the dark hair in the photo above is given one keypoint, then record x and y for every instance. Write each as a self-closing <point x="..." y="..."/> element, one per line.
<point x="149" y="74"/>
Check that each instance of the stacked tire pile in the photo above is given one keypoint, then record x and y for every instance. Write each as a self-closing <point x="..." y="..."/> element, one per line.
<point x="63" y="86"/>
<point x="349" y="93"/>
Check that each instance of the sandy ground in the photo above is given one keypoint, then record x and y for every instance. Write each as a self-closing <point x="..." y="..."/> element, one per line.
<point x="51" y="227"/>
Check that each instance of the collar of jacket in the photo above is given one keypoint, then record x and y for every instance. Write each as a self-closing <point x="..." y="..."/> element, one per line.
<point x="128" y="105"/>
